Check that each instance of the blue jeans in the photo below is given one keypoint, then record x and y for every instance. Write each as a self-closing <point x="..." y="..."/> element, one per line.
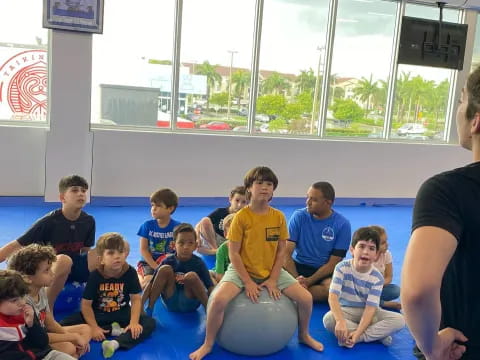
<point x="389" y="293"/>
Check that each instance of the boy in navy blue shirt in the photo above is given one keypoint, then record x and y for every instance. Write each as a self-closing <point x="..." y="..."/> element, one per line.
<point x="182" y="279"/>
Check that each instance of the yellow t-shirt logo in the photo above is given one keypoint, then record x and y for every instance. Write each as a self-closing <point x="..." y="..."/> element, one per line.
<point x="272" y="233"/>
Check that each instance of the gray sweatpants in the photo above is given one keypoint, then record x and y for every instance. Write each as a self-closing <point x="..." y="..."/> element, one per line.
<point x="384" y="323"/>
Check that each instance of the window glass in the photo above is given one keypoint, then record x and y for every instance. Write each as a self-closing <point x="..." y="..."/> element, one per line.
<point x="360" y="67"/>
<point x="291" y="59"/>
<point x="23" y="62"/>
<point x="476" y="46"/>
<point x="421" y="94"/>
<point x="131" y="70"/>
<point x="215" y="58"/>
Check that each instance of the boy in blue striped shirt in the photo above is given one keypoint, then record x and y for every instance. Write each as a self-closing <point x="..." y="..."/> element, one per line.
<point x="354" y="296"/>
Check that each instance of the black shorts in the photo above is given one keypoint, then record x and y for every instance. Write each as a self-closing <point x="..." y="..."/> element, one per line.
<point x="79" y="271"/>
<point x="307" y="271"/>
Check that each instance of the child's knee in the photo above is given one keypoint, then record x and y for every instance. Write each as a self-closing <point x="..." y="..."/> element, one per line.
<point x="63" y="265"/>
<point x="66" y="347"/>
<point x="166" y="270"/>
<point x="191" y="278"/>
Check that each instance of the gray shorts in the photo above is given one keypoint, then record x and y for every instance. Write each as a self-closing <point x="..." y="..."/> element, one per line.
<point x="219" y="239"/>
<point x="285" y="280"/>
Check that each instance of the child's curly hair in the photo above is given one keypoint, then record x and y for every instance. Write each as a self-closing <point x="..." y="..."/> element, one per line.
<point x="27" y="259"/>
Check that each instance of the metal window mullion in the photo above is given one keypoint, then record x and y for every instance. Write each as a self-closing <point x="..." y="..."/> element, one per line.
<point x="392" y="81"/>
<point x="255" y="69"/>
<point x="177" y="40"/>
<point x="327" y="66"/>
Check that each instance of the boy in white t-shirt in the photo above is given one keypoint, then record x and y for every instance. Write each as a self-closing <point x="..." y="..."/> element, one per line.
<point x="384" y="264"/>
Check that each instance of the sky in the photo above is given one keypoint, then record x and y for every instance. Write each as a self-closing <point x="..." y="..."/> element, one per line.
<point x="292" y="32"/>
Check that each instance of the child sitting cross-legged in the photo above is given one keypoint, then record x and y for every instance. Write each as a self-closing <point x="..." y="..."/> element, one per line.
<point x="35" y="263"/>
<point x="106" y="301"/>
<point x="354" y="296"/>
<point x="182" y="278"/>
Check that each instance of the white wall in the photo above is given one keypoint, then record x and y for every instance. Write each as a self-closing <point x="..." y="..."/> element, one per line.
<point x="135" y="164"/>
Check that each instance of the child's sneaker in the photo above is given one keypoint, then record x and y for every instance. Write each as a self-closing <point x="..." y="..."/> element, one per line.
<point x="117" y="330"/>
<point x="109" y="347"/>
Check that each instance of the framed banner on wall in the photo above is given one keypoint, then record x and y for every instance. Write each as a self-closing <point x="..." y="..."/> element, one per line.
<point x="76" y="15"/>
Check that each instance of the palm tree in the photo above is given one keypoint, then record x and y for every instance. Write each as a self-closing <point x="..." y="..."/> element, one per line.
<point x="364" y="90"/>
<point x="240" y="80"/>
<point x="212" y="76"/>
<point x="274" y="84"/>
<point x="306" y="81"/>
<point x="401" y="93"/>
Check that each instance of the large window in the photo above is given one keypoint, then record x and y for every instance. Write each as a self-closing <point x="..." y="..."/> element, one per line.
<point x="218" y="47"/>
<point x="291" y="59"/>
<point x="216" y="57"/>
<point x="23" y="62"/>
<point x="360" y="67"/>
<point x="421" y="96"/>
<point x="131" y="74"/>
<point x="476" y="47"/>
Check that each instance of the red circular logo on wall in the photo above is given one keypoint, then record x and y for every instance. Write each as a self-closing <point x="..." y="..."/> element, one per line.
<point x="23" y="85"/>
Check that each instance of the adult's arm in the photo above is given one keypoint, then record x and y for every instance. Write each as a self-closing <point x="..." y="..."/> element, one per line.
<point x="324" y="270"/>
<point x="428" y="254"/>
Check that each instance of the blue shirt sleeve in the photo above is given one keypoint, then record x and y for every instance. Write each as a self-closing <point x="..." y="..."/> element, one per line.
<point x="143" y="231"/>
<point x="294" y="226"/>
<point x="344" y="237"/>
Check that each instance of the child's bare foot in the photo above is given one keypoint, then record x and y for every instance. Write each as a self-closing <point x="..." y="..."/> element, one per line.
<point x="311" y="342"/>
<point x="201" y="352"/>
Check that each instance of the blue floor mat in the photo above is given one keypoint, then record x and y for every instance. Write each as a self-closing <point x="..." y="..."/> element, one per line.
<point x="179" y="334"/>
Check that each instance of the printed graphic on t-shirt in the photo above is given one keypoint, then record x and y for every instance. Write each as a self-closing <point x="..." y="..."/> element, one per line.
<point x="42" y="315"/>
<point x="272" y="233"/>
<point x="111" y="296"/>
<point x="328" y="234"/>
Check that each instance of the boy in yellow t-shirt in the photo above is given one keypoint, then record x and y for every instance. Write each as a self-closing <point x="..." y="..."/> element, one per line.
<point x="258" y="239"/>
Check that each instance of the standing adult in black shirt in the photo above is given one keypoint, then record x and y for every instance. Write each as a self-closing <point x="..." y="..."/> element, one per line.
<point x="441" y="300"/>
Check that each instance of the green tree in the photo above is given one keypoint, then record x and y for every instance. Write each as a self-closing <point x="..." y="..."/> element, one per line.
<point x="213" y="77"/>
<point x="277" y="124"/>
<point x="402" y="94"/>
<point x="304" y="99"/>
<point x="365" y="90"/>
<point x="291" y="111"/>
<point x="347" y="109"/>
<point x="306" y="81"/>
<point x="160" y="62"/>
<point x="240" y="81"/>
<point x="220" y="99"/>
<point x="271" y="104"/>
<point x="274" y="84"/>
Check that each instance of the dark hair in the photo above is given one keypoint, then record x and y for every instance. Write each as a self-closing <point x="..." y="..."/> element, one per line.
<point x="111" y="241"/>
<point x="165" y="196"/>
<point x="366" y="233"/>
<point x="181" y="228"/>
<point x="260" y="173"/>
<point x="12" y="285"/>
<point x="240" y="190"/>
<point x="473" y="90"/>
<point x="71" y="180"/>
<point x="326" y="188"/>
<point x="27" y="259"/>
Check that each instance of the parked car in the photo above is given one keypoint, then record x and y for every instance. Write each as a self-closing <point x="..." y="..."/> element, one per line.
<point x="164" y="121"/>
<point x="262" y="118"/>
<point x="411" y="129"/>
<point x="216" y="125"/>
<point x="241" y="128"/>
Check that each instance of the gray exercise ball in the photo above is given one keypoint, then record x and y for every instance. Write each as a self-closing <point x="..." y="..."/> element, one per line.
<point x="258" y="329"/>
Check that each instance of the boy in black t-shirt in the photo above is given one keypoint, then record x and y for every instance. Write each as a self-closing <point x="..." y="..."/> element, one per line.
<point x="182" y="278"/>
<point x="69" y="230"/>
<point x="440" y="298"/>
<point x="106" y="301"/>
<point x="209" y="230"/>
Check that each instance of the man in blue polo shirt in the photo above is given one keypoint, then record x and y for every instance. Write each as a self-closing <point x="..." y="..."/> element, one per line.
<point x="319" y="240"/>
